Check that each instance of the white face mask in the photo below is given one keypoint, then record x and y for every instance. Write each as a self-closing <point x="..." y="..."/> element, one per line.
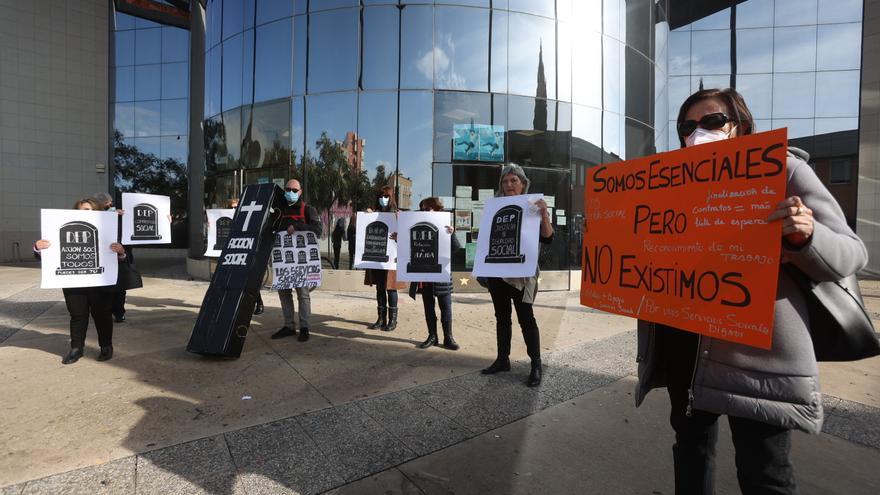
<point x="701" y="136"/>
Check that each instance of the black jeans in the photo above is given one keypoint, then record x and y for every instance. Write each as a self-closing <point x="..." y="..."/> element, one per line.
<point x="503" y="294"/>
<point x="445" y="301"/>
<point x="762" y="450"/>
<point x="118" y="305"/>
<point x="81" y="303"/>
<point x="384" y="295"/>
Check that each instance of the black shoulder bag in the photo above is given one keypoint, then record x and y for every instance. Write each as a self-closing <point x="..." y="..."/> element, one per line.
<point x="840" y="326"/>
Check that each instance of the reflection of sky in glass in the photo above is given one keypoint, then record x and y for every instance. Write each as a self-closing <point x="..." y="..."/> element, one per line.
<point x="461" y="55"/>
<point x="612" y="75"/>
<point x="124" y="44"/>
<point x="710" y="52"/>
<point x="270" y="10"/>
<point x="498" y="72"/>
<point x="679" y="53"/>
<point x="173" y="119"/>
<point x="452" y="108"/>
<point x="146" y="118"/>
<point x="272" y="61"/>
<point x="532" y="35"/>
<point x="377" y="125"/>
<point x="233" y="15"/>
<point x="416" y="139"/>
<point x="797" y="128"/>
<point x="566" y="33"/>
<point x="794" y="49"/>
<point x="837" y="94"/>
<point x="792" y="95"/>
<point x="614" y="19"/>
<point x="148" y="46"/>
<point x="754" y="14"/>
<point x="334" y="113"/>
<point x="125" y="84"/>
<point x="757" y="91"/>
<point x="175" y="80"/>
<point x="586" y="124"/>
<point x="795" y="12"/>
<point x="147" y="82"/>
<point x="752" y="53"/>
<point x="333" y="50"/>
<point x="232" y="74"/>
<point x="585" y="15"/>
<point x="380" y="48"/>
<point x="537" y="7"/>
<point x="612" y="134"/>
<point x="175" y="45"/>
<point x="840" y="11"/>
<point x="825" y="126"/>
<point x="718" y="20"/>
<point x="586" y="65"/>
<point x="836" y="43"/>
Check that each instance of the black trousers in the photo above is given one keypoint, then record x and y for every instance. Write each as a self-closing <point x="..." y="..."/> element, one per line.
<point x="385" y="297"/>
<point x="503" y="294"/>
<point x="84" y="302"/>
<point x="337" y="249"/>
<point x="118" y="303"/>
<point x="762" y="450"/>
<point x="444" y="300"/>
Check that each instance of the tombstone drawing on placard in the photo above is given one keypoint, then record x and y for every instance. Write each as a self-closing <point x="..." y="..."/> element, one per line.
<point x="313" y="254"/>
<point x="424" y="249"/>
<point x="146" y="223"/>
<point x="504" y="236"/>
<point x="277" y="242"/>
<point x="276" y="256"/>
<point x="376" y="242"/>
<point x="300" y="242"/>
<point x="312" y="239"/>
<point x="302" y="257"/>
<point x="288" y="256"/>
<point x="288" y="241"/>
<point x="79" y="249"/>
<point x="223" y="226"/>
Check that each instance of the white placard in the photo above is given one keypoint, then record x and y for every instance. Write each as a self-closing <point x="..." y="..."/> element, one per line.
<point x="296" y="261"/>
<point x="463" y="191"/>
<point x="147" y="219"/>
<point x="424" y="246"/>
<point x="79" y="253"/>
<point x="463" y="203"/>
<point x="484" y="194"/>
<point x="551" y="201"/>
<point x="214" y="215"/>
<point x="371" y="251"/>
<point x="508" y="241"/>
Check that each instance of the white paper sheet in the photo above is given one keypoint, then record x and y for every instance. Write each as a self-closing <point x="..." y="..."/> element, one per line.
<point x="508" y="242"/>
<point x="424" y="232"/>
<point x="147" y="219"/>
<point x="79" y="253"/>
<point x="379" y="254"/>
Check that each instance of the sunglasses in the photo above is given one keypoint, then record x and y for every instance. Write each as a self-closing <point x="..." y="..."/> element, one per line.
<point x="710" y="122"/>
<point x="290" y="189"/>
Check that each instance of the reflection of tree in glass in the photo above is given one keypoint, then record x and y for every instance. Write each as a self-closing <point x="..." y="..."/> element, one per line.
<point x="141" y="172"/>
<point x="330" y="178"/>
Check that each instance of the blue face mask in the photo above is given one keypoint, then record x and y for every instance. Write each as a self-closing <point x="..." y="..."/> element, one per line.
<point x="291" y="197"/>
<point x="383" y="202"/>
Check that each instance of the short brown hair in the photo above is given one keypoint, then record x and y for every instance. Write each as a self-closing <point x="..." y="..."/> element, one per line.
<point x="432" y="203"/>
<point x="91" y="202"/>
<point x="732" y="100"/>
<point x="392" y="203"/>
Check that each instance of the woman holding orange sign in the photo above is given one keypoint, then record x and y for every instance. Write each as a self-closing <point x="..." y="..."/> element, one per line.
<point x="764" y="393"/>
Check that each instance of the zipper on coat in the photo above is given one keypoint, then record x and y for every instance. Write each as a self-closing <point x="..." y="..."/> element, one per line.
<point x="690" y="405"/>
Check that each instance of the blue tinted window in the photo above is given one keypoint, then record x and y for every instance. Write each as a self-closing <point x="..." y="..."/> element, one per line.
<point x="123" y="119"/>
<point x="718" y="20"/>
<point x="175" y="44"/>
<point x="333" y="36"/>
<point x="124" y="44"/>
<point x="754" y="14"/>
<point x="416" y="140"/>
<point x="461" y="42"/>
<point x="175" y="147"/>
<point x="273" y="59"/>
<point x="213" y="22"/>
<point x="146" y="118"/>
<point x="212" y="84"/>
<point x="498" y="75"/>
<point x="795" y="12"/>
<point x="794" y="49"/>
<point x="297" y="128"/>
<point x="124" y="21"/>
<point x="679" y="53"/>
<point x="247" y="68"/>
<point x="270" y="10"/>
<point x="532" y="56"/>
<point x="300" y="52"/>
<point x="124" y="84"/>
<point x="839" y="47"/>
<point x="710" y="52"/>
<point x="757" y="90"/>
<point x="837" y="93"/>
<point x="539" y="7"/>
<point x="147" y="82"/>
<point x="315" y="6"/>
<point x="752" y="50"/>
<point x="174" y="118"/>
<point x="380" y="47"/>
<point x="148" y="46"/>
<point x="175" y="80"/>
<point x="333" y="114"/>
<point x="232" y="75"/>
<point x="250" y="8"/>
<point x="377" y="124"/>
<point x="233" y="13"/>
<point x="792" y="94"/>
<point x="840" y="11"/>
<point x="417" y="51"/>
<point x="452" y="108"/>
<point x="149" y="145"/>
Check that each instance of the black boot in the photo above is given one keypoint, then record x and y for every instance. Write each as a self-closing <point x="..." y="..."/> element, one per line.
<point x="73" y="356"/>
<point x="258" y="309"/>
<point x="500" y="364"/>
<point x="380" y="321"/>
<point x="303" y="334"/>
<point x="392" y="320"/>
<point x="432" y="334"/>
<point x="106" y="353"/>
<point x="536" y="374"/>
<point x="448" y="341"/>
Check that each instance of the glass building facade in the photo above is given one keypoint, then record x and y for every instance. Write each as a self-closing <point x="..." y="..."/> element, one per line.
<point x="348" y="95"/>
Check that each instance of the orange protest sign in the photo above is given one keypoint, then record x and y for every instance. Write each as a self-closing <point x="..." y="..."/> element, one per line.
<point x="681" y="238"/>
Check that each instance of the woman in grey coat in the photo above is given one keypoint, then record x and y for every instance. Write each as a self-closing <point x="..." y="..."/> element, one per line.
<point x="765" y="394"/>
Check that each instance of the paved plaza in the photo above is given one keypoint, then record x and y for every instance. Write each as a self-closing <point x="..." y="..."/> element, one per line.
<point x="355" y="411"/>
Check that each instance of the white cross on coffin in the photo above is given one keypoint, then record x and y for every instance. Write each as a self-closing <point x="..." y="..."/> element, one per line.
<point x="249" y="209"/>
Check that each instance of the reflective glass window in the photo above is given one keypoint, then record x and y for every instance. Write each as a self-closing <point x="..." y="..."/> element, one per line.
<point x="753" y="54"/>
<point x="148" y="46"/>
<point x="271" y="129"/>
<point x="213" y="22"/>
<point x="754" y="14"/>
<point x="173" y="118"/>
<point x="149" y="145"/>
<point x="586" y="131"/>
<point x="377" y="125"/>
<point x="710" y="52"/>
<point x="334" y="114"/>
<point x="232" y="126"/>
<point x="794" y="49"/>
<point x="247" y="68"/>
<point x="381" y="44"/>
<point x="469" y="3"/>
<point x="679" y="89"/>
<point x="717" y="81"/>
<point x="565" y="31"/>
<point x="212" y="82"/>
<point x="757" y="90"/>
<point x="147" y="82"/>
<point x="416" y="140"/>
<point x="762" y="125"/>
<point x="315" y="6"/>
<point x="840" y="11"/>
<point x="639" y="139"/>
<point x="613" y="17"/>
<point x="837" y="93"/>
<point x="532" y="57"/>
<point x="795" y="12"/>
<point x="273" y="60"/>
<point x="300" y="53"/>
<point x="532" y="136"/>
<point x="639" y="25"/>
<point x="215" y="147"/>
<point x="639" y="97"/>
<point x="123" y="21"/>
<point x="826" y="126"/>
<point x="679" y="53"/>
<point x="613" y="75"/>
<point x="585" y="14"/>
<point x="839" y="47"/>
<point x="661" y="109"/>
<point x="461" y="42"/>
<point x="175" y="80"/>
<point x="718" y="20"/>
<point x="175" y="148"/>
<point x="442" y="183"/>
<point x="613" y="137"/>
<point x="232" y="77"/>
<point x="673" y="142"/>
<point x="123" y="119"/>
<point x="146" y="118"/>
<point x="270" y="10"/>
<point x="141" y="23"/>
<point x="175" y="45"/>
<point x="452" y="108"/>
<point x="793" y="95"/>
<point x="661" y="45"/>
<point x="546" y="8"/>
<point x="557" y="183"/>
<point x="797" y="128"/>
<point x="417" y="49"/>
<point x="124" y="45"/>
<point x="124" y="84"/>
<point x="498" y="72"/>
<point x="586" y="66"/>
<point x="333" y="36"/>
<point x="297" y="129"/>
<point x="250" y="8"/>
<point x="233" y="13"/>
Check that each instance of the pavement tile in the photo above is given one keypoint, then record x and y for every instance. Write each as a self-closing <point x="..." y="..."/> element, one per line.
<point x="185" y="465"/>
<point x="330" y="424"/>
<point x="291" y="472"/>
<point x="387" y="482"/>
<point x="854" y="422"/>
<point x="258" y="443"/>
<point x="12" y="489"/>
<point x="421" y="427"/>
<point x="225" y="483"/>
<point x="108" y="478"/>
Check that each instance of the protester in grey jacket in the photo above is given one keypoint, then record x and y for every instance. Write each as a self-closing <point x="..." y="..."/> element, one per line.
<point x="765" y="394"/>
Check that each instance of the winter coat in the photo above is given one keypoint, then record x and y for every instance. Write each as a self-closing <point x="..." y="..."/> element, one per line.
<point x="780" y="386"/>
